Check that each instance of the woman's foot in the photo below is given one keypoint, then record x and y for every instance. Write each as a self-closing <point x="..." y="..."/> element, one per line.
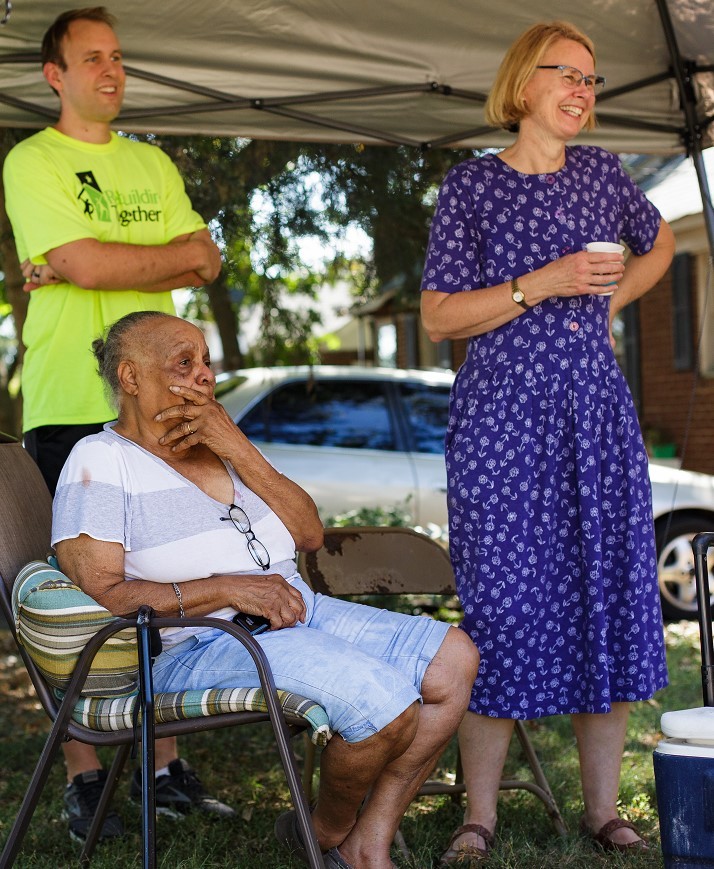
<point x="469" y="845"/>
<point x="615" y="835"/>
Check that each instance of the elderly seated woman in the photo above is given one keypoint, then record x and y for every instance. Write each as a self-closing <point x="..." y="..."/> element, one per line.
<point x="173" y="507"/>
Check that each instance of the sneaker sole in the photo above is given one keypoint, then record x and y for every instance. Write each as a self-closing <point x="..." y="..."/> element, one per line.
<point x="75" y="837"/>
<point x="172" y="814"/>
<point x="166" y="811"/>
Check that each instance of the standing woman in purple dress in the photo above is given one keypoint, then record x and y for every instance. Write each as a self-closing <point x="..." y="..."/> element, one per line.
<point x="551" y="530"/>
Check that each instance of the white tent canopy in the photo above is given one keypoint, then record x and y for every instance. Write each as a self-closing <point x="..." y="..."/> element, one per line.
<point x="412" y="72"/>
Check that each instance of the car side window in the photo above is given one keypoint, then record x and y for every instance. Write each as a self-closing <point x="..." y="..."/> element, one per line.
<point x="348" y="414"/>
<point x="427" y="410"/>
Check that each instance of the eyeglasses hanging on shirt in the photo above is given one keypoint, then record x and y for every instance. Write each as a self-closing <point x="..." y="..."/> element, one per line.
<point x="240" y="520"/>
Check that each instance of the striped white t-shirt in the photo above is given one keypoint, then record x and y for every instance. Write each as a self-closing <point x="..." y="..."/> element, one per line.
<point x="114" y="490"/>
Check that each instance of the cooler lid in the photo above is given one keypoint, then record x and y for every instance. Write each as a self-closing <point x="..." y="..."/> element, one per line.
<point x="692" y="725"/>
<point x="683" y="748"/>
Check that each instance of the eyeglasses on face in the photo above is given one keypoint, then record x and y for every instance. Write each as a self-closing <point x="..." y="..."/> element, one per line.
<point x="240" y="520"/>
<point x="573" y="78"/>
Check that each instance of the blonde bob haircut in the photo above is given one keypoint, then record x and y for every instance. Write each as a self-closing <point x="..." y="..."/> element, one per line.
<point x="505" y="105"/>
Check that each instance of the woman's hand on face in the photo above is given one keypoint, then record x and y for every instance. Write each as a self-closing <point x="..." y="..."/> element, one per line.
<point x="270" y="596"/>
<point x="200" y="420"/>
<point x="582" y="273"/>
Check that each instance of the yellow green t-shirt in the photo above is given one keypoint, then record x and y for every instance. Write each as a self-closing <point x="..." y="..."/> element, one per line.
<point x="58" y="190"/>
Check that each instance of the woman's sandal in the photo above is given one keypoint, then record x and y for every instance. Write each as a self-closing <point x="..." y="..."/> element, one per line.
<point x="604" y="839"/>
<point x="467" y="854"/>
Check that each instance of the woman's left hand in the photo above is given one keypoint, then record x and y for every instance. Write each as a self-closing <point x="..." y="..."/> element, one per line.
<point x="202" y="421"/>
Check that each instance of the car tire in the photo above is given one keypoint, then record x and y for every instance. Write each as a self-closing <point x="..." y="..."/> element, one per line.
<point x="675" y="564"/>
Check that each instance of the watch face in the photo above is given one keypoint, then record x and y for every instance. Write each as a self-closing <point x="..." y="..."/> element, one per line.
<point x="518" y="296"/>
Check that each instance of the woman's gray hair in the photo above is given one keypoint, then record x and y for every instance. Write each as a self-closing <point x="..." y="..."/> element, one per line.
<point x="110" y="350"/>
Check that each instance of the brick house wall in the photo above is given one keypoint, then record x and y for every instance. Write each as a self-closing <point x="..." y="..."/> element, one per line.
<point x="668" y="396"/>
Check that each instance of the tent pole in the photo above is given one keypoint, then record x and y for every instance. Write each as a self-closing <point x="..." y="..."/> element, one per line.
<point x="705" y="191"/>
<point x="684" y="72"/>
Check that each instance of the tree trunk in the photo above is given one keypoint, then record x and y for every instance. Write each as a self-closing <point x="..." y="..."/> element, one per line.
<point x="219" y="299"/>
<point x="11" y="409"/>
<point x="8" y="257"/>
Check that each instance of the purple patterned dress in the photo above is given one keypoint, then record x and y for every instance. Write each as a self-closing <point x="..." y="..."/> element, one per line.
<point x="550" y="515"/>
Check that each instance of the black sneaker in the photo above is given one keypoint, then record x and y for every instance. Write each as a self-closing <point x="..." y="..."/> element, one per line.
<point x="81" y="798"/>
<point x="180" y="792"/>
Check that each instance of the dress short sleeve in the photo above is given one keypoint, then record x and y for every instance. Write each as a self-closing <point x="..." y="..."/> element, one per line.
<point x="452" y="261"/>
<point x="639" y="218"/>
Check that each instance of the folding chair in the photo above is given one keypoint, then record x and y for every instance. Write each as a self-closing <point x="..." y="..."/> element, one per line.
<point x="25" y="521"/>
<point x="389" y="561"/>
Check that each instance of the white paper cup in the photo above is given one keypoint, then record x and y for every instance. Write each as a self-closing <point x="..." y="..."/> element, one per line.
<point x="604" y="247"/>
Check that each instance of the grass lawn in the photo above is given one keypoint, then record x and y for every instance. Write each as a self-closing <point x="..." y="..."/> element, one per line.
<point x="241" y="767"/>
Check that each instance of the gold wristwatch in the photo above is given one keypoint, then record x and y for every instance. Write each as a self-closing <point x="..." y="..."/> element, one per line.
<point x="518" y="295"/>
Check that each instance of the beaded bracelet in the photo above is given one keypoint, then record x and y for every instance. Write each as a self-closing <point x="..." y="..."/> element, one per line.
<point x="182" y="614"/>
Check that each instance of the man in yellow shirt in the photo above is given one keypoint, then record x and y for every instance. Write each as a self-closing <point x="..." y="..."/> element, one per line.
<point x="103" y="227"/>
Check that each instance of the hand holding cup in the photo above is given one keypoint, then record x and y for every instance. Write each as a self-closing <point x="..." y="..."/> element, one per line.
<point x="604" y="247"/>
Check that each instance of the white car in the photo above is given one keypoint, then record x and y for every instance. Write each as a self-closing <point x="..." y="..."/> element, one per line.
<point x="357" y="437"/>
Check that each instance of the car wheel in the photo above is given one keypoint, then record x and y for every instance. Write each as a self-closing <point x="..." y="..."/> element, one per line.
<point x="675" y="565"/>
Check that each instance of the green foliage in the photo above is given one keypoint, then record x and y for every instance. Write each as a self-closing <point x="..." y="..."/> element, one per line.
<point x="263" y="198"/>
<point x="257" y="197"/>
<point x="389" y="193"/>
<point x="397" y="516"/>
<point x="9" y="372"/>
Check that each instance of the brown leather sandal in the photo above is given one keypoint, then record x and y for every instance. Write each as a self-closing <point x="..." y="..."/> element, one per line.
<point x="604" y="839"/>
<point x="467" y="855"/>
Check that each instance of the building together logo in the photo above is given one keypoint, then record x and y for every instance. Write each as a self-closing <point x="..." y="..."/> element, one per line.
<point x="109" y="205"/>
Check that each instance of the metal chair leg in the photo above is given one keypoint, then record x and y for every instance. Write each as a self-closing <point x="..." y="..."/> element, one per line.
<point x="148" y="766"/>
<point x="32" y="796"/>
<point x="539" y="787"/>
<point x="543" y="792"/>
<point x="287" y="757"/>
<point x="58" y="731"/>
<point x="302" y="808"/>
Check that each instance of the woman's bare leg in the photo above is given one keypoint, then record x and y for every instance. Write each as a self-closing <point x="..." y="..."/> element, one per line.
<point x="483" y="743"/>
<point x="601" y="742"/>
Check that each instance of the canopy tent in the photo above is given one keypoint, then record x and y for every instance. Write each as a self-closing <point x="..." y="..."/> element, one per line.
<point x="411" y="72"/>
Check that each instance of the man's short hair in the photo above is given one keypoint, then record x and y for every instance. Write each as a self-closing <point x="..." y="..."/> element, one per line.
<point x="52" y="40"/>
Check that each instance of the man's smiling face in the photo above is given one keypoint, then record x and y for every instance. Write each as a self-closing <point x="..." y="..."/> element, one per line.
<point x="91" y="86"/>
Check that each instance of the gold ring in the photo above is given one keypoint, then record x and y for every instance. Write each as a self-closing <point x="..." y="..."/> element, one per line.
<point x="190" y="429"/>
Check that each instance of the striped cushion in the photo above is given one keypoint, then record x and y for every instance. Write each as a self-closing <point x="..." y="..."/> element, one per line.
<point x="116" y="713"/>
<point x="54" y="619"/>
